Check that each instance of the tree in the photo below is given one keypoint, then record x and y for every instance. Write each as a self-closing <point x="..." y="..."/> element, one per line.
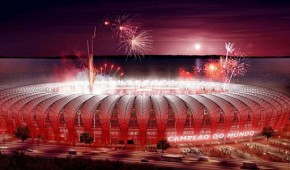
<point x="163" y="145"/>
<point x="39" y="137"/>
<point x="268" y="132"/>
<point x="86" y="138"/>
<point x="22" y="132"/>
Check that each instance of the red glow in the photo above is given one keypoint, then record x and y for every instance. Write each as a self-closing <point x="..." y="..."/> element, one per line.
<point x="213" y="70"/>
<point x="111" y="71"/>
<point x="185" y="74"/>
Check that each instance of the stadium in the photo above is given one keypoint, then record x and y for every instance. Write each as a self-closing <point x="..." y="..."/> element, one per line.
<point x="142" y="112"/>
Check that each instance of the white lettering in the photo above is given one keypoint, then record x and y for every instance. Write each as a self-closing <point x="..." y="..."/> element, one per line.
<point x="230" y="135"/>
<point x="218" y="136"/>
<point x="215" y="136"/>
<point x="176" y="139"/>
<point x="242" y="134"/>
<point x="208" y="137"/>
<point x="170" y="139"/>
<point x="236" y="134"/>
<point x="189" y="138"/>
<point x="199" y="137"/>
<point x="183" y="138"/>
<point x="221" y="135"/>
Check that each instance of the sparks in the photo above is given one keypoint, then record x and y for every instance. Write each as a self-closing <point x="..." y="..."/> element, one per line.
<point x="137" y="43"/>
<point x="213" y="70"/>
<point x="123" y="24"/>
<point x="236" y="67"/>
<point x="185" y="74"/>
<point x="111" y="72"/>
<point x="230" y="48"/>
<point x="91" y="68"/>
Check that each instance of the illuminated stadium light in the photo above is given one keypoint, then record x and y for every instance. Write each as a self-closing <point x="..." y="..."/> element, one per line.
<point x="141" y="87"/>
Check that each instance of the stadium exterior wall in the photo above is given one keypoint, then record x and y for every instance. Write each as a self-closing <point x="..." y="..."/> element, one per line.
<point x="140" y="119"/>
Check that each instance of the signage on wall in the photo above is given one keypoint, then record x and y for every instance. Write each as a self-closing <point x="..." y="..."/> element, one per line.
<point x="215" y="136"/>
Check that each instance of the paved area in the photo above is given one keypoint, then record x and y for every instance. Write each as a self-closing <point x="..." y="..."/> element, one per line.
<point x="188" y="162"/>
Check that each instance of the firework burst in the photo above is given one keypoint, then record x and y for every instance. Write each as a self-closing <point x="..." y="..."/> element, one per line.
<point x="132" y="38"/>
<point x="123" y="24"/>
<point x="235" y="67"/>
<point x="185" y="74"/>
<point x="213" y="70"/>
<point x="137" y="43"/>
<point x="230" y="48"/>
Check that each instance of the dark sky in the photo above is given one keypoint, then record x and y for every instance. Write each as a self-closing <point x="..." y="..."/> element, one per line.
<point x="55" y="27"/>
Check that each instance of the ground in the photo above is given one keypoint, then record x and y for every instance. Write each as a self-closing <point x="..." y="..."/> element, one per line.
<point x="271" y="154"/>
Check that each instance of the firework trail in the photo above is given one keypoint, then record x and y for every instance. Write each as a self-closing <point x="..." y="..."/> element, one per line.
<point x="91" y="68"/>
<point x="112" y="66"/>
<point x="117" y="71"/>
<point x="111" y="72"/>
<point x="137" y="43"/>
<point x="236" y="67"/>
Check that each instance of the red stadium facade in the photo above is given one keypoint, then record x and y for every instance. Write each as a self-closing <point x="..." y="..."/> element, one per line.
<point x="143" y="118"/>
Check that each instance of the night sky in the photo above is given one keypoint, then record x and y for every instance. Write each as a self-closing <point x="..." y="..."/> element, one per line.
<point x="54" y="27"/>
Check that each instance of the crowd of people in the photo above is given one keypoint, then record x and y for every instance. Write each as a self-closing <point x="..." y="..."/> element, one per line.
<point x="280" y="145"/>
<point x="278" y="152"/>
<point x="277" y="155"/>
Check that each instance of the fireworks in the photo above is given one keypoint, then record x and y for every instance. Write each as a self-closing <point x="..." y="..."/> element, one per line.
<point x="91" y="68"/>
<point x="213" y="70"/>
<point x="235" y="68"/>
<point x="227" y="68"/>
<point x="136" y="43"/>
<point x="109" y="71"/>
<point x="230" y="48"/>
<point x="132" y="38"/>
<point x="184" y="74"/>
<point x="123" y="24"/>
